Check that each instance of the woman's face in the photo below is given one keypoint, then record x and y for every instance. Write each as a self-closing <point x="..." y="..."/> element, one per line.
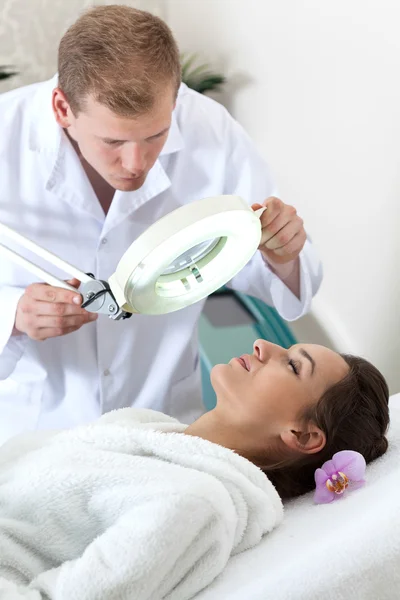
<point x="265" y="392"/>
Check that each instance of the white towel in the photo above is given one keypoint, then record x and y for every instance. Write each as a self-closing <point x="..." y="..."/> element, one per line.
<point x="127" y="508"/>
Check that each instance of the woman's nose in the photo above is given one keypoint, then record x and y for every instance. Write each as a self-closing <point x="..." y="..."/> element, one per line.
<point x="264" y="350"/>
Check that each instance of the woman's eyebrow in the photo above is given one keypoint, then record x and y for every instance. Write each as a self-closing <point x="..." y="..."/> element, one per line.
<point x="310" y="358"/>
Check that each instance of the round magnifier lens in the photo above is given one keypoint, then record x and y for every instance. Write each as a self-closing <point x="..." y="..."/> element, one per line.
<point x="192" y="255"/>
<point x="186" y="255"/>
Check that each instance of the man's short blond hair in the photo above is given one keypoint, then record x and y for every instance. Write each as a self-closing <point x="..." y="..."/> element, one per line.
<point x="123" y="57"/>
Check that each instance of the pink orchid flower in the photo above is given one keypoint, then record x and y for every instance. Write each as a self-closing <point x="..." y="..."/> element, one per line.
<point x="345" y="470"/>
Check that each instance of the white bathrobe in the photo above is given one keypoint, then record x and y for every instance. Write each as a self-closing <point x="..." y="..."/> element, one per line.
<point x="127" y="508"/>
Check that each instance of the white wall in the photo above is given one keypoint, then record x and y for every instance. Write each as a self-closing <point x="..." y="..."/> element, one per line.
<point x="317" y="85"/>
<point x="30" y="31"/>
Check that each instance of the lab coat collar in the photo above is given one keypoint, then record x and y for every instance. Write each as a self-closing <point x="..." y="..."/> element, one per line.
<point x="45" y="134"/>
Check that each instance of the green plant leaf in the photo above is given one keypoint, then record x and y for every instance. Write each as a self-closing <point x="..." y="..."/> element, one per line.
<point x="199" y="78"/>
<point x="213" y="82"/>
<point x="5" y="72"/>
<point x="187" y="60"/>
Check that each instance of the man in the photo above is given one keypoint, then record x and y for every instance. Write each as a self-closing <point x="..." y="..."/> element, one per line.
<point x="89" y="160"/>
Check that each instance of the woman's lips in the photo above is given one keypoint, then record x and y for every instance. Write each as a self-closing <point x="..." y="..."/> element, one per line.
<point x="243" y="362"/>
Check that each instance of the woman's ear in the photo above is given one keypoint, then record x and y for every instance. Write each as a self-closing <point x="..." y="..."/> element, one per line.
<point x="308" y="439"/>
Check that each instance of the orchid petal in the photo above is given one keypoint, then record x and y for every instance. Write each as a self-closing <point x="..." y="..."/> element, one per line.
<point x="320" y="477"/>
<point x="323" y="496"/>
<point x="329" y="467"/>
<point x="351" y="463"/>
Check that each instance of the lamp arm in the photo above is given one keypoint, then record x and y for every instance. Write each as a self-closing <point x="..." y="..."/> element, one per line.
<point x="43" y="253"/>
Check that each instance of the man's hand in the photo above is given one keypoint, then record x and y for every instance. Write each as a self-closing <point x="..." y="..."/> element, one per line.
<point x="45" y="311"/>
<point x="283" y="234"/>
<point x="283" y="238"/>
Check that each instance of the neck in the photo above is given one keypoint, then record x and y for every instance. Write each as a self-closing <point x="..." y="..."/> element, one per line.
<point x="234" y="436"/>
<point x="209" y="427"/>
<point x="102" y="189"/>
<point x="261" y="445"/>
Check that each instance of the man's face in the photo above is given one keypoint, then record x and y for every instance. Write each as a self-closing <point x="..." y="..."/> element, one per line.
<point x="122" y="150"/>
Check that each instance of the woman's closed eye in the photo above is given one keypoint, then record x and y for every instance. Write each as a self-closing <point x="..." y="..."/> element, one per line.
<point x="295" y="366"/>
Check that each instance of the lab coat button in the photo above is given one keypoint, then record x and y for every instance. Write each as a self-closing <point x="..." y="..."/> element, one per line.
<point x="106" y="372"/>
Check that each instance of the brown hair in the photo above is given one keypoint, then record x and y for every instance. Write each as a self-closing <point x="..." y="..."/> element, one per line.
<point x="122" y="56"/>
<point x="353" y="414"/>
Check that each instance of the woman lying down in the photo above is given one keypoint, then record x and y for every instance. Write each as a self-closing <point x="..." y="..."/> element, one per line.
<point x="138" y="506"/>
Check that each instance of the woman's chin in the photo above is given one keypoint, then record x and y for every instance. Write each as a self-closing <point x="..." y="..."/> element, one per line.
<point x="216" y="373"/>
<point x="223" y="380"/>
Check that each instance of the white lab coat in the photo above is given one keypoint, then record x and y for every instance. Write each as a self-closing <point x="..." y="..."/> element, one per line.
<point x="145" y="361"/>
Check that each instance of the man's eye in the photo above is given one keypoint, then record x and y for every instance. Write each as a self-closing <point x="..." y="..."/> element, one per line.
<point x="295" y="366"/>
<point x="113" y="142"/>
<point x="154" y="138"/>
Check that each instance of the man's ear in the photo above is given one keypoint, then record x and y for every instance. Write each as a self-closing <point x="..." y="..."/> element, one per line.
<point x="61" y="108"/>
<point x="305" y="439"/>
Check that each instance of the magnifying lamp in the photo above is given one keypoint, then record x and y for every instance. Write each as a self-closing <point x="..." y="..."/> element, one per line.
<point x="177" y="261"/>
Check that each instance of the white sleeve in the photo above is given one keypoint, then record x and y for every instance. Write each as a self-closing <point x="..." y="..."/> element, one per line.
<point x="248" y="176"/>
<point x="168" y="547"/>
<point x="11" y="347"/>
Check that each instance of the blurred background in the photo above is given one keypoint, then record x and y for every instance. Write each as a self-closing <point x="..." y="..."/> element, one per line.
<point x="316" y="85"/>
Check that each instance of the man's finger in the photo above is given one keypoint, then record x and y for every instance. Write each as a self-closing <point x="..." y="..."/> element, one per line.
<point x="49" y="293"/>
<point x="74" y="282"/>
<point x="284" y="235"/>
<point x="61" y="309"/>
<point x="61" y="323"/>
<point x="274" y="208"/>
<point x="274" y="227"/>
<point x="295" y="245"/>
<point x="51" y="332"/>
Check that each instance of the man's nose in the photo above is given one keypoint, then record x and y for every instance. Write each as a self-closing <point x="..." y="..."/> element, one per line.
<point x="133" y="159"/>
